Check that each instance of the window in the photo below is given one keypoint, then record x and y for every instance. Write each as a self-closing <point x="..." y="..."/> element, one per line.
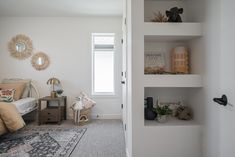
<point x="103" y="64"/>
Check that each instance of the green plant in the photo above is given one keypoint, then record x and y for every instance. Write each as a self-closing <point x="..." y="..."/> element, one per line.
<point x="163" y="110"/>
<point x="59" y="91"/>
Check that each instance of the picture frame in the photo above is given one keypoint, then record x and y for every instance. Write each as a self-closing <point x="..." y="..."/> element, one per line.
<point x="154" y="62"/>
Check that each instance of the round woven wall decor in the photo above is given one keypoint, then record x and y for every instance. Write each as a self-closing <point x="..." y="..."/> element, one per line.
<point x="20" y="47"/>
<point x="40" y="61"/>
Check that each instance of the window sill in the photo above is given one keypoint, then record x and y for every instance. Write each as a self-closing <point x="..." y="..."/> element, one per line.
<point x="104" y="96"/>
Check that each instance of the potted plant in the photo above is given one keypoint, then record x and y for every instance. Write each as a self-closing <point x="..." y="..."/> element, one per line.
<point x="162" y="113"/>
<point x="59" y="92"/>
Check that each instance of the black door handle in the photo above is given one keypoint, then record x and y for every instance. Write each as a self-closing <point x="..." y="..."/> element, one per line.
<point x="222" y="101"/>
<point x="123" y="82"/>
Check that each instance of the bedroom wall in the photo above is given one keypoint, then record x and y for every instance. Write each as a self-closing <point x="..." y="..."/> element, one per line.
<point x="67" y="41"/>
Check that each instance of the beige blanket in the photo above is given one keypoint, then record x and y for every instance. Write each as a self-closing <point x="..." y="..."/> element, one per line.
<point x="10" y="119"/>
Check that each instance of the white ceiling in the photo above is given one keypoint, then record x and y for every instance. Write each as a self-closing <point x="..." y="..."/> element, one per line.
<point x="60" y="8"/>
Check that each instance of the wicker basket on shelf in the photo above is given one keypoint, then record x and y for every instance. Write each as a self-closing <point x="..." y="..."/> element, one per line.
<point x="180" y="60"/>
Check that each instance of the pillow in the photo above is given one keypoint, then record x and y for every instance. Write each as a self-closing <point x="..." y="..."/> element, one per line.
<point x="7" y="95"/>
<point x="11" y="117"/>
<point x="88" y="103"/>
<point x="19" y="88"/>
<point x="18" y="80"/>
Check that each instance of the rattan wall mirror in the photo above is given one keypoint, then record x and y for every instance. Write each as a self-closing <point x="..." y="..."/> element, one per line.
<point x="40" y="61"/>
<point x="20" y="47"/>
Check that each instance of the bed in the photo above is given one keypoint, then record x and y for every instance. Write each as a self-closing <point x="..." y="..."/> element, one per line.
<point x="28" y="102"/>
<point x="23" y="109"/>
<point x="25" y="105"/>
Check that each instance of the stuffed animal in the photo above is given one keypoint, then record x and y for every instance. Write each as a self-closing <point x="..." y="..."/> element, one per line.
<point x="174" y="14"/>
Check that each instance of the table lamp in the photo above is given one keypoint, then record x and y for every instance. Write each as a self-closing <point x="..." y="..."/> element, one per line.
<point x="53" y="81"/>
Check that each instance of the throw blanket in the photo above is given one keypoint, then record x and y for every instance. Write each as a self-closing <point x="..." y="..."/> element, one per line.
<point x="10" y="119"/>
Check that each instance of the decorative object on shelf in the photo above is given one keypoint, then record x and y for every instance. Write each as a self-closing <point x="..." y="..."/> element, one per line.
<point x="172" y="105"/>
<point x="180" y="60"/>
<point x="162" y="113"/>
<point x="149" y="113"/>
<point x="20" y="47"/>
<point x="184" y="113"/>
<point x="154" y="63"/>
<point x="159" y="17"/>
<point x="53" y="81"/>
<point x="40" y="61"/>
<point x="174" y="14"/>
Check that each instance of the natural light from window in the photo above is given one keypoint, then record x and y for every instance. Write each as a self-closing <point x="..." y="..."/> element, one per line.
<point x="103" y="64"/>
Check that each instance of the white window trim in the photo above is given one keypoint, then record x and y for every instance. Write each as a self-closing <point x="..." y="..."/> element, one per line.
<point x="102" y="94"/>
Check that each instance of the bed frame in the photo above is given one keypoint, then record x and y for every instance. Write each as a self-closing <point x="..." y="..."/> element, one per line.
<point x="31" y="115"/>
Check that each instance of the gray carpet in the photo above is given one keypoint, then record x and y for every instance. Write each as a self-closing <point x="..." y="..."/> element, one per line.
<point x="103" y="138"/>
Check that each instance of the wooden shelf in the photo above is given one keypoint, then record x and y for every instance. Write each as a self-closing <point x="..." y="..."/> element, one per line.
<point x="155" y="32"/>
<point x="187" y="80"/>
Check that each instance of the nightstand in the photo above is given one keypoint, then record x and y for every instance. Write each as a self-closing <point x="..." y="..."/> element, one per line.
<point x="55" y="113"/>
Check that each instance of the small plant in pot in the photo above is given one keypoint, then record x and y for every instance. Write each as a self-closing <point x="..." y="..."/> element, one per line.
<point x="162" y="113"/>
<point x="59" y="92"/>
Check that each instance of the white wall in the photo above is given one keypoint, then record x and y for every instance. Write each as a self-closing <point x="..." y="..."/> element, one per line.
<point x="206" y="57"/>
<point x="211" y="76"/>
<point x="67" y="41"/>
<point x="227" y="125"/>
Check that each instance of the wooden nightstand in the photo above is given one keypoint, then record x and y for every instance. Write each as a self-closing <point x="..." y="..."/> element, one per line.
<point x="52" y="113"/>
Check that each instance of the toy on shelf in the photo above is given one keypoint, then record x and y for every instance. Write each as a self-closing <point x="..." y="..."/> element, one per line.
<point x="174" y="14"/>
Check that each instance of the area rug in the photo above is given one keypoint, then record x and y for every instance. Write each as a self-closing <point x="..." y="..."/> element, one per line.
<point x="41" y="142"/>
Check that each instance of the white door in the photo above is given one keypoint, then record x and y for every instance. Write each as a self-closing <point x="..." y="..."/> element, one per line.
<point x="227" y="116"/>
<point x="124" y="68"/>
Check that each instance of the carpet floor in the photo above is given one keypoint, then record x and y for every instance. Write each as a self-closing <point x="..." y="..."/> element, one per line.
<point x="103" y="138"/>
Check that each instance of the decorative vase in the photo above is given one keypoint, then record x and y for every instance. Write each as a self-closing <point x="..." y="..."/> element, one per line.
<point x="162" y="118"/>
<point x="149" y="114"/>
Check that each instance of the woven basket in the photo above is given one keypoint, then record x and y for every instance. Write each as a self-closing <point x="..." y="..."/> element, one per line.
<point x="85" y="116"/>
<point x="180" y="60"/>
<point x="85" y="113"/>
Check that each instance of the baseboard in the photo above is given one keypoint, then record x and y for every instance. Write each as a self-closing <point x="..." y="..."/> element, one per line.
<point x="127" y="153"/>
<point x="107" y="116"/>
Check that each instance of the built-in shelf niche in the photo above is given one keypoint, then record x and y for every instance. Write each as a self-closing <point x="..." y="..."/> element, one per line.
<point x="163" y="37"/>
<point x="153" y="6"/>
<point x="183" y="95"/>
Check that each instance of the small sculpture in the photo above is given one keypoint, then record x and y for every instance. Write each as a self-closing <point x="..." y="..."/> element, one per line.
<point x="174" y="14"/>
<point x="184" y="113"/>
<point x="149" y="113"/>
<point x="159" y="17"/>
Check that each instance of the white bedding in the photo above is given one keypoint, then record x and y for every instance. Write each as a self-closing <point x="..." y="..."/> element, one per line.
<point x="25" y="105"/>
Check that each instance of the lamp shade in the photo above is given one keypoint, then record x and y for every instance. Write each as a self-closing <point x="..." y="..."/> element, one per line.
<point x="53" y="81"/>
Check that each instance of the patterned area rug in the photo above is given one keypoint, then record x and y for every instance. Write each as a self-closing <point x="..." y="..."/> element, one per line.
<point x="41" y="142"/>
